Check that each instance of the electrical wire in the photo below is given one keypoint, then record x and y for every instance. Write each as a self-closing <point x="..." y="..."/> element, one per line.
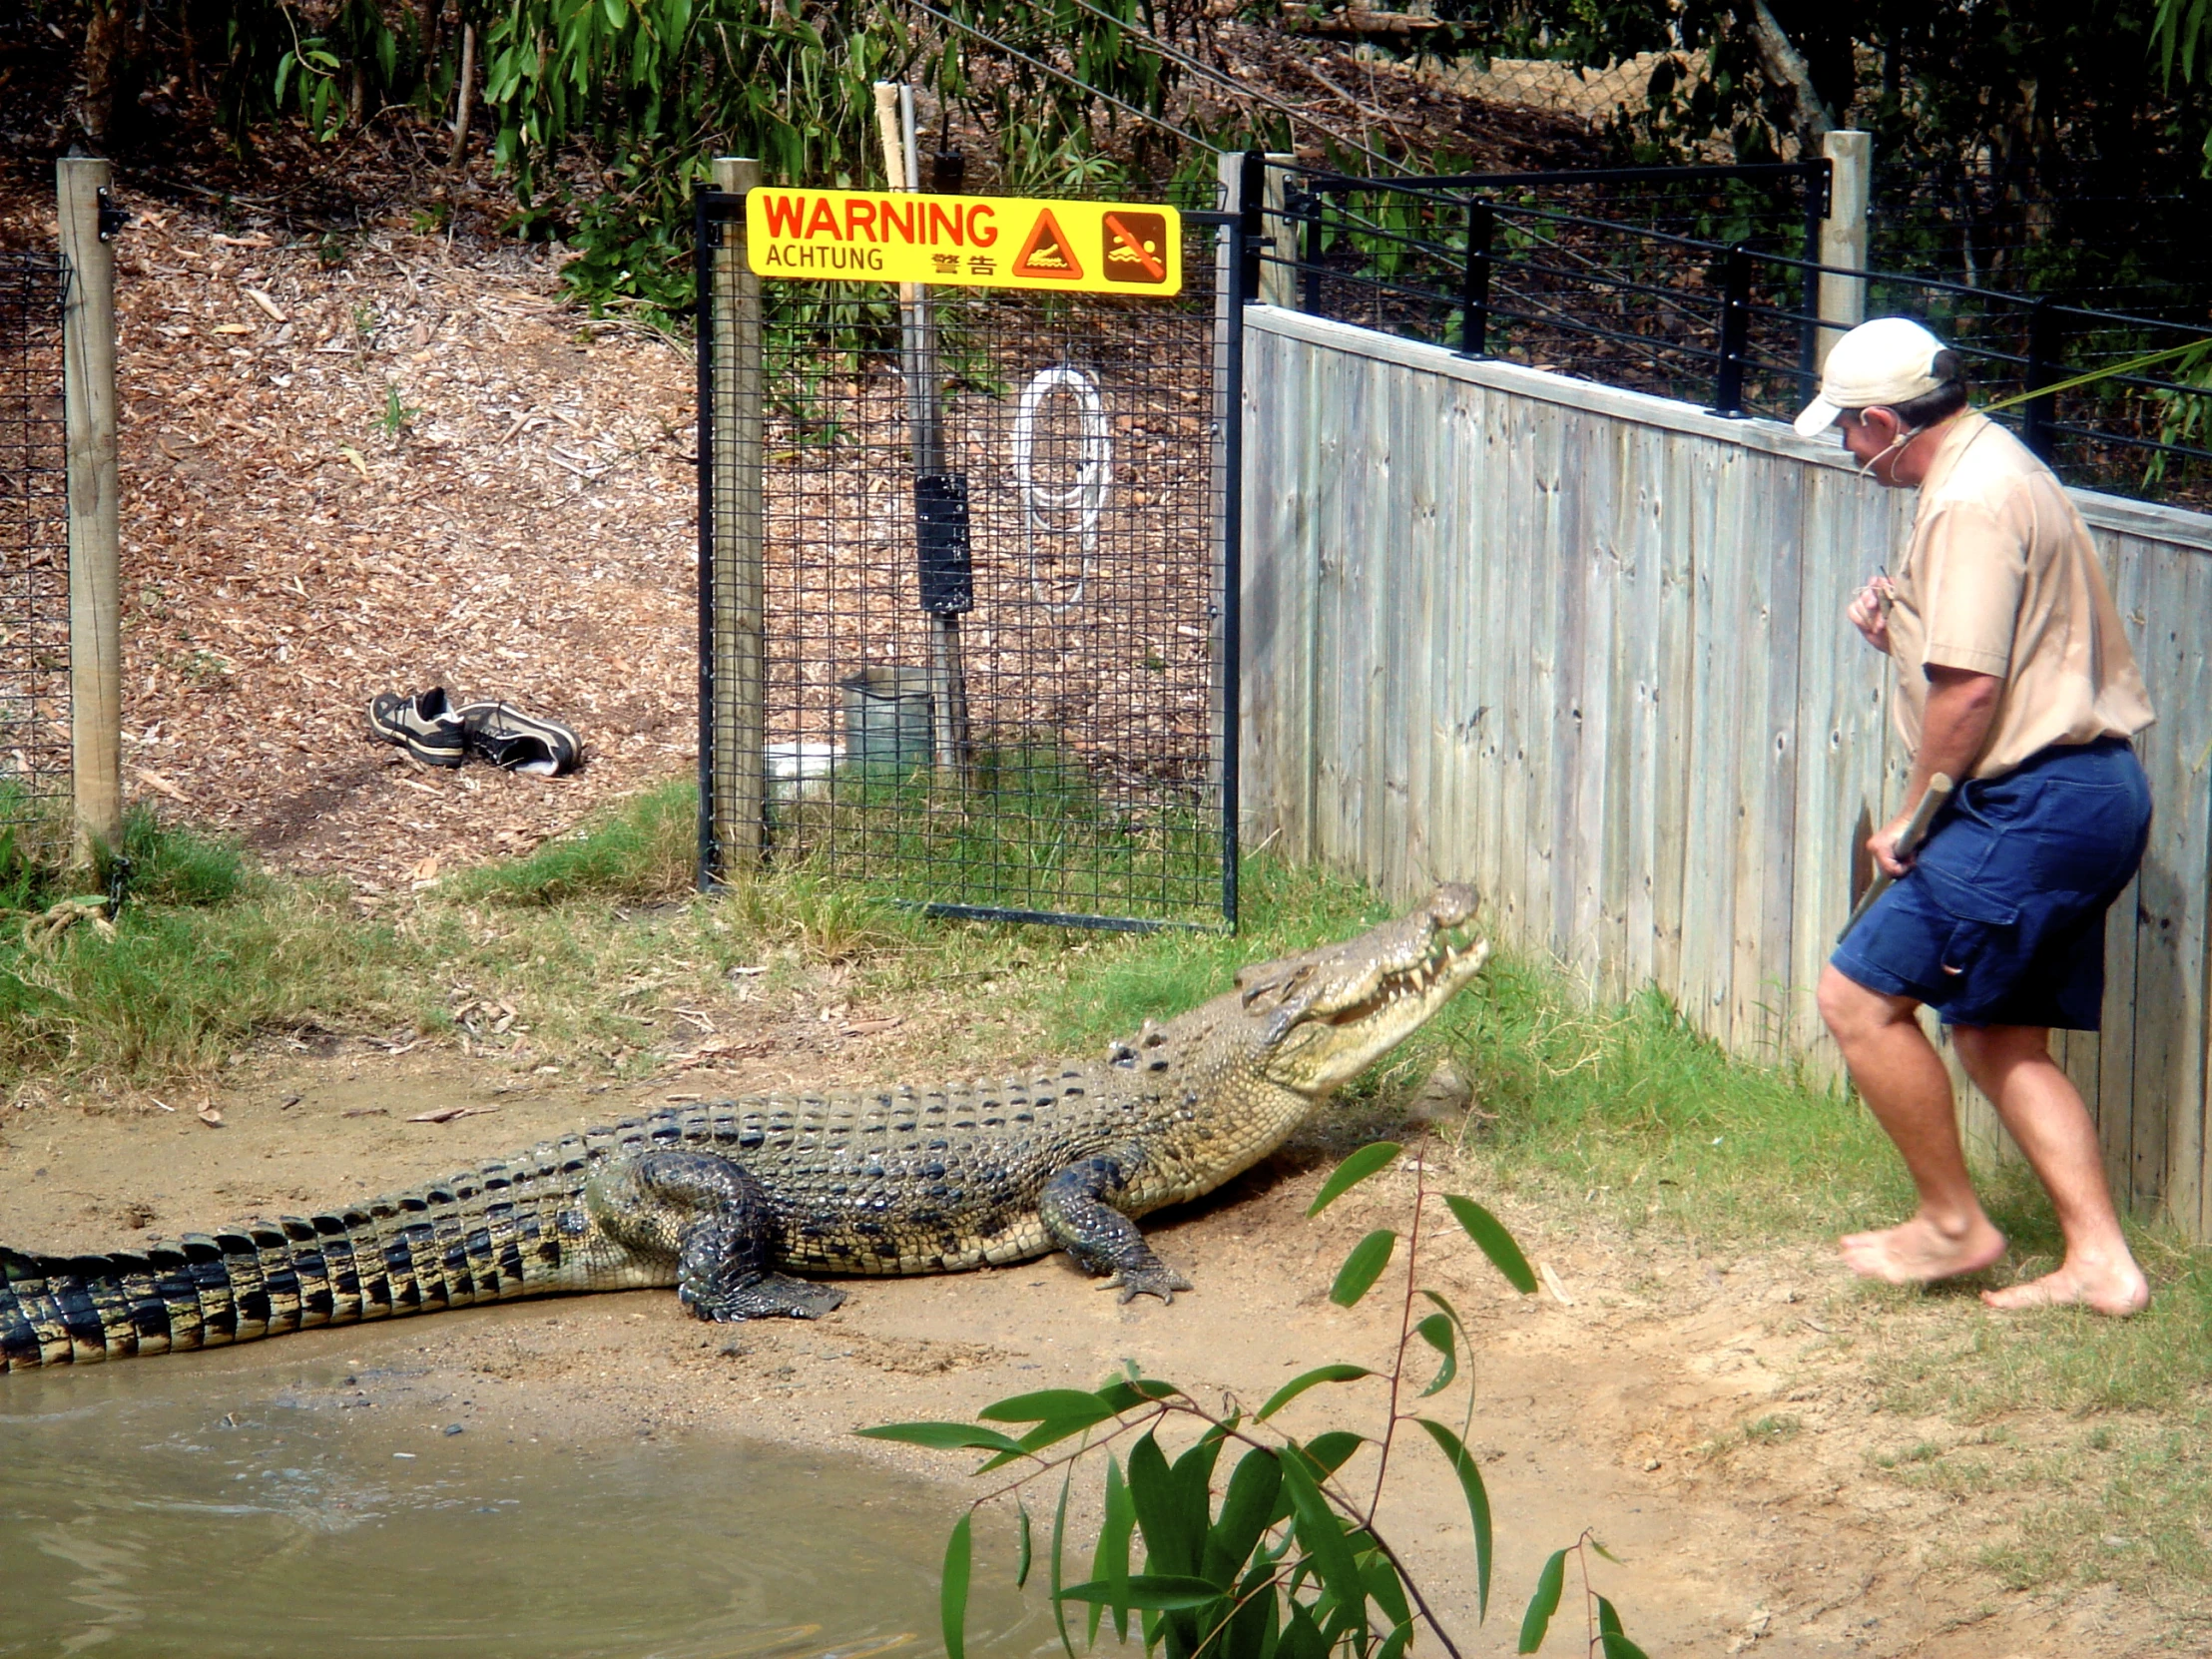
<point x="1162" y="48"/>
<point x="1080" y="85"/>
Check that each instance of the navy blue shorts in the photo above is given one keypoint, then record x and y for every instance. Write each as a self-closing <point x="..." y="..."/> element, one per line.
<point x="2000" y="919"/>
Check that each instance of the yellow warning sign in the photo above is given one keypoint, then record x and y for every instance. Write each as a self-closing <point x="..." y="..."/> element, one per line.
<point x="1003" y="242"/>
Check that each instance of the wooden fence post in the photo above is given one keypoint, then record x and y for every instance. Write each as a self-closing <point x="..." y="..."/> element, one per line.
<point x="1279" y="262"/>
<point x="740" y="602"/>
<point x="95" y="524"/>
<point x="1843" y="303"/>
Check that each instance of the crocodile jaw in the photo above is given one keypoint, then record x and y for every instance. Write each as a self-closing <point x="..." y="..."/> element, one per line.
<point x="1323" y="1052"/>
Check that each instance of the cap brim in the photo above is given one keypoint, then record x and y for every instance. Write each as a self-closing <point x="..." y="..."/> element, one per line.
<point x="1818" y="417"/>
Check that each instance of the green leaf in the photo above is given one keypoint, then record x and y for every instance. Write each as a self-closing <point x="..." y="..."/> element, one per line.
<point x="1059" y="1559"/>
<point x="952" y="1596"/>
<point x="1331" y="1451"/>
<point x="1399" y="1639"/>
<point x="942" y="1437"/>
<point x="1169" y="1544"/>
<point x="1110" y="1560"/>
<point x="1615" y="1645"/>
<point x="1023" y="1551"/>
<point x="1384" y="1585"/>
<point x="1309" y="1379"/>
<point x="1253" y="1627"/>
<point x="1544" y="1603"/>
<point x="1245" y="1510"/>
<point x="1302" y="1637"/>
<point x="1320" y="1535"/>
<point x="1608" y="1618"/>
<point x="1125" y="1392"/>
<point x="1154" y="1592"/>
<point x="1479" y="1507"/>
<point x="1375" y="1155"/>
<point x="1363" y="1266"/>
<point x="1049" y="1433"/>
<point x="1608" y="1554"/>
<point x="1490" y="1236"/>
<point x="1436" y="1331"/>
<point x="1048" y="1403"/>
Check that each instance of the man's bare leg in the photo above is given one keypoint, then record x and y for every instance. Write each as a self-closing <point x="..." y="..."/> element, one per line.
<point x="1904" y="1083"/>
<point x="2047" y="1116"/>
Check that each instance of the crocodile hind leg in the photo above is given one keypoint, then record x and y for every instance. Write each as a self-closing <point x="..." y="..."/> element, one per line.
<point x="712" y="1218"/>
<point x="1076" y="1210"/>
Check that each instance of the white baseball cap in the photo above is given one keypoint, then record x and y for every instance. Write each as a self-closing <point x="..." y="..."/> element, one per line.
<point x="1888" y="361"/>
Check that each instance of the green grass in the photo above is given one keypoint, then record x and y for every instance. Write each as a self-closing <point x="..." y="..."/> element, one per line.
<point x="206" y="955"/>
<point x="1032" y="830"/>
<point x="646" y="848"/>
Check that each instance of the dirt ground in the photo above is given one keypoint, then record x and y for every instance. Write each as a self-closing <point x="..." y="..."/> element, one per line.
<point x="1621" y="1407"/>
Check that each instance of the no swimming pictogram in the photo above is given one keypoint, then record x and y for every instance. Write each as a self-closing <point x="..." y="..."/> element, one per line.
<point x="1047" y="252"/>
<point x="1136" y="245"/>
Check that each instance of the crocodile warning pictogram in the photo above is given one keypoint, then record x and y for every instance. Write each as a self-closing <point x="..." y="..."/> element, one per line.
<point x="1047" y="251"/>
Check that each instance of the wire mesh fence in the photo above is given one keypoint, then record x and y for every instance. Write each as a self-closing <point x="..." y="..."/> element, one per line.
<point x="995" y="665"/>
<point x="34" y="556"/>
<point x="1701" y="284"/>
<point x="1621" y="276"/>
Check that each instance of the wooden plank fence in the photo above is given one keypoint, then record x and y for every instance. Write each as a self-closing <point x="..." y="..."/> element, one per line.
<point x="1585" y="648"/>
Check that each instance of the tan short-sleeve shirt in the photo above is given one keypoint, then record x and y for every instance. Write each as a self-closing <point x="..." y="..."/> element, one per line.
<point x="2000" y="577"/>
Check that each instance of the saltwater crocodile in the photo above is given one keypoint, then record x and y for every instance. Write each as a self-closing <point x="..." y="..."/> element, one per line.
<point x="714" y="1199"/>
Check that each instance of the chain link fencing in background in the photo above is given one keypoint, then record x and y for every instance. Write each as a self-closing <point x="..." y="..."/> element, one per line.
<point x="995" y="675"/>
<point x="34" y="559"/>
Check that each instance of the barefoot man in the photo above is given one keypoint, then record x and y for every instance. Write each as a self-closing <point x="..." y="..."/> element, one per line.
<point x="2015" y="677"/>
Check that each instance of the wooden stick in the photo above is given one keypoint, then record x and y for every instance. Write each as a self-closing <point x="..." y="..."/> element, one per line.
<point x="95" y="525"/>
<point x="895" y="126"/>
<point x="1931" y="803"/>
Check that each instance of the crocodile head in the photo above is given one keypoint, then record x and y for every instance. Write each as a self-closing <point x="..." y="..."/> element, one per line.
<point x="1317" y="1021"/>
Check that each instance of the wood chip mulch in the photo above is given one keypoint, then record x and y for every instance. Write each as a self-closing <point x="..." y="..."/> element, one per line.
<point x="417" y="466"/>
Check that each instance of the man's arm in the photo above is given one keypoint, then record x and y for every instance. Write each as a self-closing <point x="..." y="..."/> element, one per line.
<point x="1961" y="706"/>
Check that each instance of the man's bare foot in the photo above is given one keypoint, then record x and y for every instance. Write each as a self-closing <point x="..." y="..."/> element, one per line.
<point x="2116" y="1288"/>
<point x="1918" y="1251"/>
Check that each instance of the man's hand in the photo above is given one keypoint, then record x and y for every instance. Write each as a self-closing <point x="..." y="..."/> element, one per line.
<point x="1869" y="614"/>
<point x="1883" y="844"/>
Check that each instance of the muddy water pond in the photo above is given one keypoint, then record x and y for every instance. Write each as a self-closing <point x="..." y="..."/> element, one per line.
<point x="190" y="1507"/>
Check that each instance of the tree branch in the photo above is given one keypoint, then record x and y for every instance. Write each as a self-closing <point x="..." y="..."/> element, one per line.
<point x="1784" y="65"/>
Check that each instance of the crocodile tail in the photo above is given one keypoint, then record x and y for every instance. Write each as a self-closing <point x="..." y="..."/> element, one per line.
<point x="446" y="1246"/>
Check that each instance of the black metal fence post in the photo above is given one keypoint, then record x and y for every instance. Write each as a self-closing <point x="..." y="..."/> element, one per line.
<point x="1474" y="280"/>
<point x="1252" y="223"/>
<point x="1817" y="184"/>
<point x="2043" y="370"/>
<point x="1309" y="252"/>
<point x="1735" y="333"/>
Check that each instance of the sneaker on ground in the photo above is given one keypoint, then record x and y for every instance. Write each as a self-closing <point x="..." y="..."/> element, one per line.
<point x="506" y="736"/>
<point x="423" y="724"/>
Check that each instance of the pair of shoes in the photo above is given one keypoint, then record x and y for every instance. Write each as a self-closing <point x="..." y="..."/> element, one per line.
<point x="430" y="727"/>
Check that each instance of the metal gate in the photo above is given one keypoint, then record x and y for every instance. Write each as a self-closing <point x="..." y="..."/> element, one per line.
<point x="34" y="558"/>
<point x="969" y="587"/>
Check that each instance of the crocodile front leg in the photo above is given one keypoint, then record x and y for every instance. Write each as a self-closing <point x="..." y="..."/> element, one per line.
<point x="712" y="1218"/>
<point x="1075" y="1207"/>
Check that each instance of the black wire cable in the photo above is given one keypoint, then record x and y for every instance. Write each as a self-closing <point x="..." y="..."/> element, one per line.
<point x="1163" y="48"/>
<point x="1080" y="85"/>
